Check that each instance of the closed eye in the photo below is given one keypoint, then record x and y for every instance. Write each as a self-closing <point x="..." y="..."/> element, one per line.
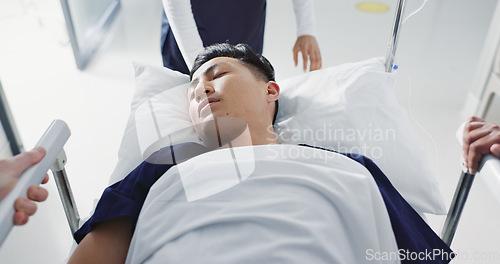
<point x="219" y="75"/>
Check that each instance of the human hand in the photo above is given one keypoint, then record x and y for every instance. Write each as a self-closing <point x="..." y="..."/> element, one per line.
<point x="26" y="208"/>
<point x="10" y="169"/>
<point x="480" y="138"/>
<point x="308" y="46"/>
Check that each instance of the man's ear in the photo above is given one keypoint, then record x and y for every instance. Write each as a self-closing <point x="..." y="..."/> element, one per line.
<point x="273" y="91"/>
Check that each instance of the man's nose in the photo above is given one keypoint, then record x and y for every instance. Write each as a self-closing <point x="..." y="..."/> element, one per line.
<point x="202" y="90"/>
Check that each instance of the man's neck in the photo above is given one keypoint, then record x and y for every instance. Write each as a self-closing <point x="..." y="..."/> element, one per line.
<point x="252" y="137"/>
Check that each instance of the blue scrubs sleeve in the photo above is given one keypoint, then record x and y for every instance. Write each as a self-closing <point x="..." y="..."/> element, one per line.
<point x="126" y="197"/>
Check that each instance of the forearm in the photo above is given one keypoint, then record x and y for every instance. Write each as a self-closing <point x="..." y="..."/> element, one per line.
<point x="107" y="243"/>
<point x="181" y="20"/>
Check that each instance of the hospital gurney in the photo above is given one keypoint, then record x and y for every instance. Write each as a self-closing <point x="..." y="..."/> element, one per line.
<point x="69" y="204"/>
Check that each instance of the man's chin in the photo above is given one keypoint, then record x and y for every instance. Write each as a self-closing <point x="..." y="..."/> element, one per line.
<point x="218" y="131"/>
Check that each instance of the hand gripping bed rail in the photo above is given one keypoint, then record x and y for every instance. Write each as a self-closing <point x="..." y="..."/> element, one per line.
<point x="53" y="140"/>
<point x="489" y="171"/>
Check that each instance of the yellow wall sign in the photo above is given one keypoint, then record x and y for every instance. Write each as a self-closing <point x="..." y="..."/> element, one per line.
<point x="372" y="7"/>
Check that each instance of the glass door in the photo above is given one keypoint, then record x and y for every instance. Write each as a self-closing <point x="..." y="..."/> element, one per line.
<point x="87" y="22"/>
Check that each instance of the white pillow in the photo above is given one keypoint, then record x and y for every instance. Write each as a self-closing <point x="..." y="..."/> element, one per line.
<point x="348" y="108"/>
<point x="149" y="81"/>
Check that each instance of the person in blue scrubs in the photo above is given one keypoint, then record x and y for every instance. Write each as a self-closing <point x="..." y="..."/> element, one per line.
<point x="235" y="22"/>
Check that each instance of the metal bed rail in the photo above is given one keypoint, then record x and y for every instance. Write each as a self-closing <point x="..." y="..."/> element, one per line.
<point x="457" y="205"/>
<point x="65" y="192"/>
<point x="489" y="171"/>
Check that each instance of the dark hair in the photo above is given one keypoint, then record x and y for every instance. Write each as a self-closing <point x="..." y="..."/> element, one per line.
<point x="257" y="63"/>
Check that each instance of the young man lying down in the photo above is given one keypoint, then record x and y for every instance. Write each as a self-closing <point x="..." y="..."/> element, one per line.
<point x="244" y="198"/>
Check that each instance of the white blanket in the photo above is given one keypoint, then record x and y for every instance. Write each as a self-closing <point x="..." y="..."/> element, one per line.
<point x="263" y="204"/>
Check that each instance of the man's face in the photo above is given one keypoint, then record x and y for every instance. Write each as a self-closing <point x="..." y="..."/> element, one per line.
<point x="225" y="87"/>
